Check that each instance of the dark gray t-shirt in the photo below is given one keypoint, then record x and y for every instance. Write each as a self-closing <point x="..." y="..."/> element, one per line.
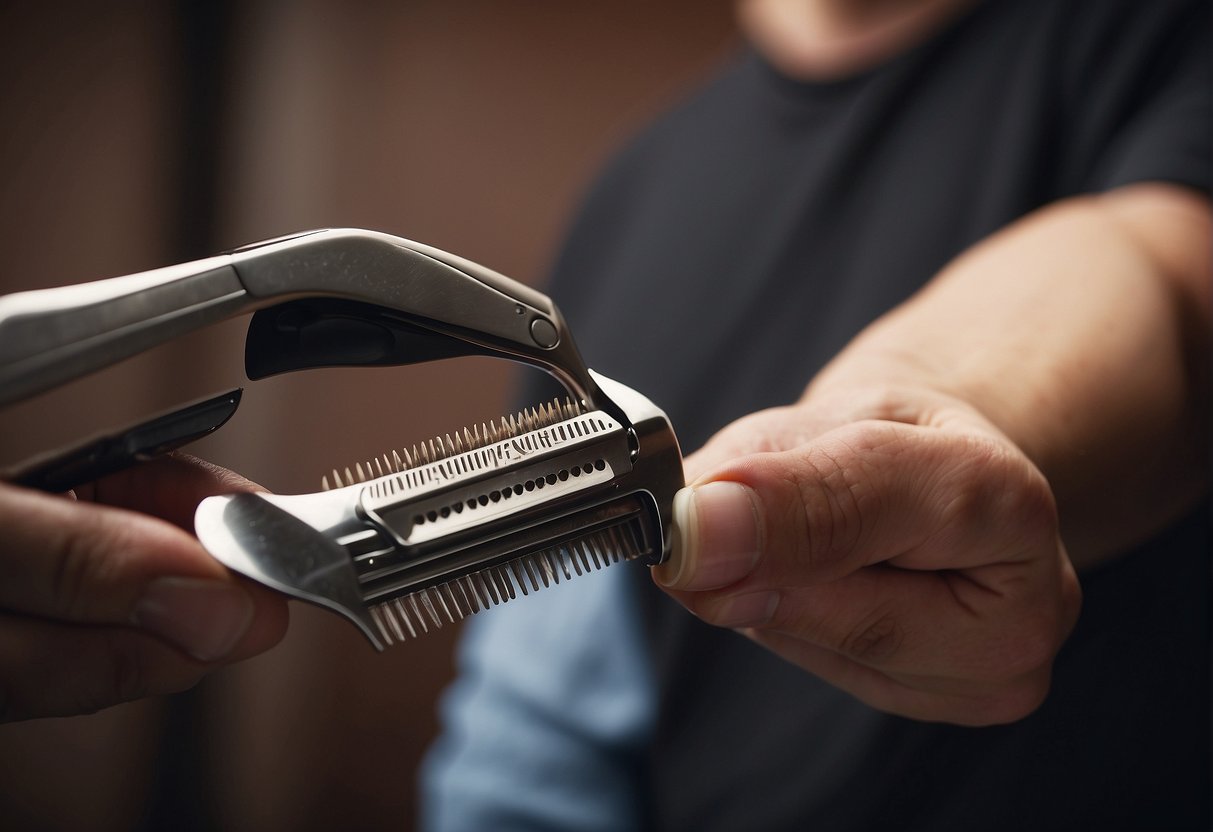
<point x="743" y="240"/>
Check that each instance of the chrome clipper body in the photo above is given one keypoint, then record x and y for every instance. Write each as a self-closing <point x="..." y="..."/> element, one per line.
<point x="423" y="535"/>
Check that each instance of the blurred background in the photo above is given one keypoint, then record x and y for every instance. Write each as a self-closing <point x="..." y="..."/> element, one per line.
<point x="137" y="134"/>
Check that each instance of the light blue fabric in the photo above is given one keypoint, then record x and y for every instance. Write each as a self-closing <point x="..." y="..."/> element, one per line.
<point x="546" y="725"/>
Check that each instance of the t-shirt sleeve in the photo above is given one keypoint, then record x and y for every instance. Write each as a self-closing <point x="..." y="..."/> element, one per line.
<point x="546" y="725"/>
<point x="1144" y="98"/>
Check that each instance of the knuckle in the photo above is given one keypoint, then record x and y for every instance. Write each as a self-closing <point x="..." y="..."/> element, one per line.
<point x="766" y="431"/>
<point x="77" y="561"/>
<point x="877" y="639"/>
<point x="993" y="486"/>
<point x="1029" y="501"/>
<point x="842" y="492"/>
<point x="1032" y="636"/>
<point x="92" y="566"/>
<point x="1021" y="494"/>
<point x="835" y="499"/>
<point x="129" y="673"/>
<point x="1039" y="624"/>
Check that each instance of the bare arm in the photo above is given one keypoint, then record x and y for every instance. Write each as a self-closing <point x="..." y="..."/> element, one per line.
<point x="899" y="531"/>
<point x="1082" y="333"/>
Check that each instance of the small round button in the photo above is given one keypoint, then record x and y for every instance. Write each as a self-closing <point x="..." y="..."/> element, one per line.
<point x="544" y="333"/>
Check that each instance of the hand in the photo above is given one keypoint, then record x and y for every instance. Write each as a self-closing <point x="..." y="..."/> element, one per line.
<point x="903" y="550"/>
<point x="107" y="598"/>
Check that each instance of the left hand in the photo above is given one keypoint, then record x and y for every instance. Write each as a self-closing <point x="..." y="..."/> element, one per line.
<point x="108" y="597"/>
<point x="904" y="550"/>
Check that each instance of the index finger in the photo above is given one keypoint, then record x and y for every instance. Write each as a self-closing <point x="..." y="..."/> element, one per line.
<point x="82" y="562"/>
<point x="774" y="429"/>
<point x="169" y="487"/>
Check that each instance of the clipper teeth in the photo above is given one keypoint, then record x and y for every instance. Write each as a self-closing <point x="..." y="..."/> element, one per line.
<point x="415" y="614"/>
<point x="441" y="447"/>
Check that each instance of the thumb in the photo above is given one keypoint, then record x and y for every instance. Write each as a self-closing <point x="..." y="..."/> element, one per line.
<point x="862" y="494"/>
<point x="718" y="536"/>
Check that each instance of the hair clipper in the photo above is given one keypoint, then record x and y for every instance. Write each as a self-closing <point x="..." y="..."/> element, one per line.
<point x="423" y="535"/>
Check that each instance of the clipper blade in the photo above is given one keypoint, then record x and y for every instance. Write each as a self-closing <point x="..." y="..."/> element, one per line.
<point x="428" y="536"/>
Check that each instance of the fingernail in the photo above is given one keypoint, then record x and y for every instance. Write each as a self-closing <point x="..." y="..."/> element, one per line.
<point x="752" y="610"/>
<point x="716" y="537"/>
<point x="204" y="618"/>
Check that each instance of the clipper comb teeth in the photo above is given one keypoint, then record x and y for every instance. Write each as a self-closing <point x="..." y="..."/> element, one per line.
<point x="447" y="445"/>
<point x="412" y="615"/>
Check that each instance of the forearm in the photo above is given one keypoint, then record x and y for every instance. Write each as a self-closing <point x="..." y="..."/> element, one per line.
<point x="1081" y="332"/>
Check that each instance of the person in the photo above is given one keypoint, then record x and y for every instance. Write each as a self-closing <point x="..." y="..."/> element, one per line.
<point x="942" y="273"/>
<point x="105" y="597"/>
<point x="928" y="286"/>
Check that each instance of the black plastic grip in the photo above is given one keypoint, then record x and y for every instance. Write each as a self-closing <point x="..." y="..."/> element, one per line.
<point x="103" y="455"/>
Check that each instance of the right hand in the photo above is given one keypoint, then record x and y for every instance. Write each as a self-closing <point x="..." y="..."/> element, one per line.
<point x="910" y="557"/>
<point x="107" y="598"/>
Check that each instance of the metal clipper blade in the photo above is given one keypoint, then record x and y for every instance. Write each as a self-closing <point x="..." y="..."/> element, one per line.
<point x="561" y="491"/>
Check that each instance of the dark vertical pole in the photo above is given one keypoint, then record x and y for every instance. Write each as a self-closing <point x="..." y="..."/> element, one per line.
<point x="180" y="798"/>
<point x="204" y="32"/>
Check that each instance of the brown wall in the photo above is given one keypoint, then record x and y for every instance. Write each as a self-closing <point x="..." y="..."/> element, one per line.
<point x="472" y="126"/>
